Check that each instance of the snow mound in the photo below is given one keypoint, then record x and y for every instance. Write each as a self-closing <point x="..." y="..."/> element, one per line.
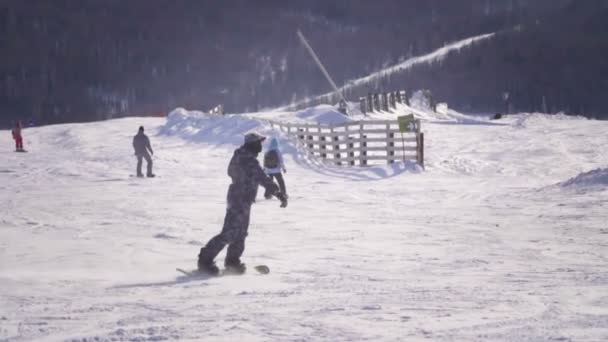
<point x="200" y="127"/>
<point x="196" y="126"/>
<point x="451" y="116"/>
<point x="593" y="178"/>
<point x="531" y="119"/>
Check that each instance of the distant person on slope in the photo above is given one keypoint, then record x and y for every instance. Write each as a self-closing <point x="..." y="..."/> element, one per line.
<point x="247" y="175"/>
<point x="141" y="144"/>
<point x="17" y="137"/>
<point x="273" y="165"/>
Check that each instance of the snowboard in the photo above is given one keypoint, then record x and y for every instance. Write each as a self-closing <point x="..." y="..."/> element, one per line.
<point x="260" y="269"/>
<point x="21" y="151"/>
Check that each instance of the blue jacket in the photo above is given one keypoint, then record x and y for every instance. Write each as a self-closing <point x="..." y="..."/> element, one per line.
<point x="274" y="146"/>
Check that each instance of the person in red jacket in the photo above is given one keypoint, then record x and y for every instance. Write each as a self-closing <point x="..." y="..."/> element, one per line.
<point x="17" y="137"/>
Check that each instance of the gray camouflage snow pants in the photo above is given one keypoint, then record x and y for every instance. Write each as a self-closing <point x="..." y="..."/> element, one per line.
<point x="148" y="159"/>
<point x="234" y="232"/>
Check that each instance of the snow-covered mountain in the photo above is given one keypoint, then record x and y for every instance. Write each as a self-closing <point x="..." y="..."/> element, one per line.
<point x="503" y="236"/>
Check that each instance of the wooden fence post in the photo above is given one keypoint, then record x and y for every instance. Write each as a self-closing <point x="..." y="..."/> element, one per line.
<point x="336" y="147"/>
<point x="362" y="146"/>
<point x="309" y="140"/>
<point x="390" y="144"/>
<point x="393" y="100"/>
<point x="362" y="105"/>
<point x="351" y="152"/>
<point x="323" y="147"/>
<point x="363" y="156"/>
<point x="384" y="101"/>
<point x="420" y="148"/>
<point x="376" y="99"/>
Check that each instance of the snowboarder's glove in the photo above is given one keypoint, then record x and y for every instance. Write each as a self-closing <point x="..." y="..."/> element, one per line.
<point x="283" y="198"/>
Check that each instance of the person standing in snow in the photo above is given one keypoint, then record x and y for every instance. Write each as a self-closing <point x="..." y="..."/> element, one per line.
<point x="17" y="137"/>
<point x="273" y="165"/>
<point x="246" y="174"/>
<point x="141" y="144"/>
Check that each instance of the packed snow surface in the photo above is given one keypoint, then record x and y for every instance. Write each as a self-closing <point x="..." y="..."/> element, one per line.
<point x="502" y="237"/>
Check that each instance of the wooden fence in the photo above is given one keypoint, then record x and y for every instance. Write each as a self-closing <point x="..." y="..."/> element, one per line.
<point x="358" y="142"/>
<point x="382" y="101"/>
<point x="377" y="102"/>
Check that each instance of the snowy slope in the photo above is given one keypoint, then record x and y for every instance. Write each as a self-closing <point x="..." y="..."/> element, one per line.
<point x="504" y="236"/>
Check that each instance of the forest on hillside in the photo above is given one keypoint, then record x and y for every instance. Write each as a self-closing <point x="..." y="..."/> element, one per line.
<point x="554" y="64"/>
<point x="83" y="60"/>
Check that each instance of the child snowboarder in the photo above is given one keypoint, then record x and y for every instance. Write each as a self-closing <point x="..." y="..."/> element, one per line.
<point x="141" y="144"/>
<point x="247" y="175"/>
<point x="17" y="137"/>
<point x="273" y="165"/>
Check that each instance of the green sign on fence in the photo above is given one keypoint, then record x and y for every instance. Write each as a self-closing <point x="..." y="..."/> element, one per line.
<point x="407" y="123"/>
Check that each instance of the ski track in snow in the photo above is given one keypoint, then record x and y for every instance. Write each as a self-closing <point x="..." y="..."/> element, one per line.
<point x="503" y="237"/>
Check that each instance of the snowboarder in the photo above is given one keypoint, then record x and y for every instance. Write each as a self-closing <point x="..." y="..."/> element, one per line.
<point x="273" y="165"/>
<point x="247" y="175"/>
<point x="141" y="144"/>
<point x="17" y="137"/>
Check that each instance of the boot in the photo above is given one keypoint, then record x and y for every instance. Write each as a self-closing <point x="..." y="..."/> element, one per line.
<point x="235" y="267"/>
<point x="206" y="266"/>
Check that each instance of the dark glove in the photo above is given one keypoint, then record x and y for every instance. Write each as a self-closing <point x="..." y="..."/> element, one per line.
<point x="283" y="198"/>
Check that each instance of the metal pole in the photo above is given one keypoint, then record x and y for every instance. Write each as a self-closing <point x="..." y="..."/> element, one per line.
<point x="320" y="65"/>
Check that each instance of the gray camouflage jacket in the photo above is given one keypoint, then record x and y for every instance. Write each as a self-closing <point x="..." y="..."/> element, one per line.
<point x="247" y="175"/>
<point x="141" y="144"/>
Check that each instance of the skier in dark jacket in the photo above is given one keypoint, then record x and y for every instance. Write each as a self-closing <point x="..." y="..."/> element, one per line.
<point x="141" y="145"/>
<point x="247" y="175"/>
